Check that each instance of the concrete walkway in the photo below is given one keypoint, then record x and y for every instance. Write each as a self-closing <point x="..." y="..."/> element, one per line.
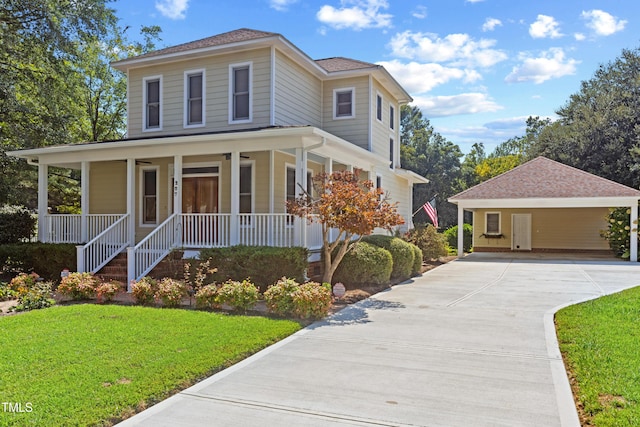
<point x="469" y="343"/>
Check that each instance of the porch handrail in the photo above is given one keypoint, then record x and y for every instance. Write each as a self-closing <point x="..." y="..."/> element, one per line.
<point x="67" y="228"/>
<point x="104" y="247"/>
<point x="266" y="229"/>
<point x="152" y="249"/>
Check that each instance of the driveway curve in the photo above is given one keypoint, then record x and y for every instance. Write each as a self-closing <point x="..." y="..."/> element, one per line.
<point x="469" y="343"/>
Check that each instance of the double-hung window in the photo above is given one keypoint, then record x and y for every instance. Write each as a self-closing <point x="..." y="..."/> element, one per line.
<point x="152" y="103"/>
<point x="392" y="117"/>
<point x="379" y="107"/>
<point x="149" y="196"/>
<point x="343" y="103"/>
<point x="240" y="93"/>
<point x="492" y="223"/>
<point x="392" y="149"/>
<point x="246" y="188"/>
<point x="194" y="89"/>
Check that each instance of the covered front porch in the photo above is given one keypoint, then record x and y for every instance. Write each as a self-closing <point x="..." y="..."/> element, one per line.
<point x="150" y="196"/>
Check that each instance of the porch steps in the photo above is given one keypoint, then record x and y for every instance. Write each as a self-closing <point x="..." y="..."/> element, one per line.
<point x="116" y="269"/>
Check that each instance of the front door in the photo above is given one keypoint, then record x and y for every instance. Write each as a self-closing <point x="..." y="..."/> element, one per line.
<point x="521" y="232"/>
<point x="200" y="194"/>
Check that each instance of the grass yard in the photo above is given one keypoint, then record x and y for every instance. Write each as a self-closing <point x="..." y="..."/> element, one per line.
<point x="94" y="365"/>
<point x="600" y="341"/>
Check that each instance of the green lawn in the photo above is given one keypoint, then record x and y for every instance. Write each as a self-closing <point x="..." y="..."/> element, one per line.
<point x="600" y="341"/>
<point x="91" y="364"/>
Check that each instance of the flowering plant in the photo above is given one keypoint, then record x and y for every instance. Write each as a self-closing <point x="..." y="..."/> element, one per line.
<point x="207" y="297"/>
<point x="144" y="290"/>
<point x="311" y="299"/>
<point x="239" y="295"/>
<point x="107" y="290"/>
<point x="23" y="281"/>
<point x="278" y="296"/>
<point x="78" y="286"/>
<point x="170" y="292"/>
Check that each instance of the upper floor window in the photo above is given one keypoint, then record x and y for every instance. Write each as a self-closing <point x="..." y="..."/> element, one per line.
<point x="392" y="117"/>
<point x="392" y="149"/>
<point x="379" y="107"/>
<point x="152" y="114"/>
<point x="240" y="93"/>
<point x="343" y="103"/>
<point x="194" y="98"/>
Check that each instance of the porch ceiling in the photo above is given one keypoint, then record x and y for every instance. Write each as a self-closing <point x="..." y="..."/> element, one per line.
<point x="313" y="139"/>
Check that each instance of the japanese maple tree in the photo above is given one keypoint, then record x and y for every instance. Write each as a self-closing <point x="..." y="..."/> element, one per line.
<point x="352" y="206"/>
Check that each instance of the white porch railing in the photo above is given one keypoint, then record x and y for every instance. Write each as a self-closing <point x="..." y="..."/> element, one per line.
<point x="104" y="247"/>
<point x="266" y="230"/>
<point x="67" y="228"/>
<point x="152" y="249"/>
<point x="206" y="230"/>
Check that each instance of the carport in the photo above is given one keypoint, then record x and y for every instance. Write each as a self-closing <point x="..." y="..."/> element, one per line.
<point x="544" y="206"/>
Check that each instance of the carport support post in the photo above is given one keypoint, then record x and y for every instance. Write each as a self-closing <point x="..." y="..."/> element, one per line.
<point x="460" y="231"/>
<point x="633" y="244"/>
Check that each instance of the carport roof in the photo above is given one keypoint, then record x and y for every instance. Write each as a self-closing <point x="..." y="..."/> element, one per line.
<point x="547" y="181"/>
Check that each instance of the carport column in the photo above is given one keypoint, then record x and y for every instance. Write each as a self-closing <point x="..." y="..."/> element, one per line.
<point x="43" y="203"/>
<point x="633" y="245"/>
<point x="460" y="231"/>
<point x="84" y="202"/>
<point x="234" y="221"/>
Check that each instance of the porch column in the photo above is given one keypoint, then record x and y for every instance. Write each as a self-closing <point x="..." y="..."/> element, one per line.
<point x="84" y="201"/>
<point x="43" y="202"/>
<point x="633" y="245"/>
<point x="177" y="184"/>
<point x="234" y="222"/>
<point x="131" y="200"/>
<point x="328" y="169"/>
<point x="460" y="231"/>
<point x="300" y="229"/>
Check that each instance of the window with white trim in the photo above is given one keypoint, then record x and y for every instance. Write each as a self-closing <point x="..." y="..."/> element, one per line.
<point x="152" y="113"/>
<point x="379" y="184"/>
<point x="392" y="117"/>
<point x="392" y="149"/>
<point x="343" y="103"/>
<point x="492" y="223"/>
<point x="379" y="107"/>
<point x="240" y="93"/>
<point x="246" y="188"/>
<point x="149" y="195"/>
<point x="194" y="90"/>
<point x="292" y="189"/>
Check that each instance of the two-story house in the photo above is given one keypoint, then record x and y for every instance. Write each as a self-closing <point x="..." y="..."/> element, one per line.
<point x="221" y="132"/>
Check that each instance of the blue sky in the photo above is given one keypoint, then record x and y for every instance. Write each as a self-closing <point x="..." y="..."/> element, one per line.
<point x="476" y="68"/>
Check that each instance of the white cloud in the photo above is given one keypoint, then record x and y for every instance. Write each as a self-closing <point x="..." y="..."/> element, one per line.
<point x="457" y="49"/>
<point x="490" y="24"/>
<point x="602" y="23"/>
<point x="465" y="103"/>
<point x="549" y="65"/>
<point x="281" y="5"/>
<point x="420" y="12"/>
<point x="356" y="14"/>
<point x="579" y="37"/>
<point x="420" y="78"/>
<point x="473" y="1"/>
<point x="172" y="9"/>
<point x="545" y="27"/>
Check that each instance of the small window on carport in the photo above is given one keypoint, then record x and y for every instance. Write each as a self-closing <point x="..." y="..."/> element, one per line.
<point x="492" y="223"/>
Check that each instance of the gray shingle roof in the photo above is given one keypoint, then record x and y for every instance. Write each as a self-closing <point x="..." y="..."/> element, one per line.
<point x="333" y="65"/>
<point x="545" y="178"/>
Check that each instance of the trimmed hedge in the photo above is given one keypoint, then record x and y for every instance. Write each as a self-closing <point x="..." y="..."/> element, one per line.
<point x="46" y="259"/>
<point x="16" y="224"/>
<point x="263" y="265"/>
<point x="364" y="264"/>
<point x="401" y="253"/>
<point x="416" y="268"/>
<point x="452" y="236"/>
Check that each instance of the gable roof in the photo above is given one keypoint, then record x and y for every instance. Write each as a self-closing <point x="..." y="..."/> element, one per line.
<point x="543" y="178"/>
<point x="332" y="65"/>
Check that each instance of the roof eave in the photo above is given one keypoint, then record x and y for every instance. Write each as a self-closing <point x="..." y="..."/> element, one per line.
<point x="551" y="202"/>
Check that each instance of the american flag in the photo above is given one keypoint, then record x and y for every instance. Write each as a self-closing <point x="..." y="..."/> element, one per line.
<point x="430" y="209"/>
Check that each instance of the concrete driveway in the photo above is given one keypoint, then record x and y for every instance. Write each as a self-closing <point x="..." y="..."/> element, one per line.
<point x="469" y="343"/>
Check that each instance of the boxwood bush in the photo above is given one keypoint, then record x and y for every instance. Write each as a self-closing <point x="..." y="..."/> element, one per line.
<point x="263" y="265"/>
<point x="365" y="264"/>
<point x="416" y="268"/>
<point x="452" y="236"/>
<point x="401" y="253"/>
<point x="46" y="259"/>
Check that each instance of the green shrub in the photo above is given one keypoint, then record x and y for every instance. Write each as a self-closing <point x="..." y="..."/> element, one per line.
<point x="106" y="291"/>
<point x="279" y="296"/>
<point x="364" y="264"/>
<point x="6" y="293"/>
<point x="416" y="268"/>
<point x="452" y="236"/>
<point x="618" y="232"/>
<point x="16" y="224"/>
<point x="144" y="291"/>
<point x="401" y="253"/>
<point x="170" y="292"/>
<point x="206" y="297"/>
<point x="78" y="286"/>
<point x="241" y="296"/>
<point x="432" y="243"/>
<point x="311" y="300"/>
<point x="34" y="298"/>
<point x="264" y="265"/>
<point x="48" y="259"/>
